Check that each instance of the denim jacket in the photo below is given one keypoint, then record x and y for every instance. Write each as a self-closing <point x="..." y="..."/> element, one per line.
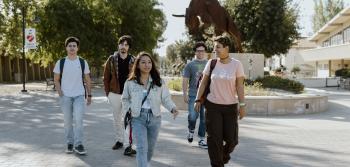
<point x="132" y="97"/>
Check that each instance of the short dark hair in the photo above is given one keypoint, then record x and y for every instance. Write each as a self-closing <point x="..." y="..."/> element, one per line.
<point x="126" y="38"/>
<point x="224" y="40"/>
<point x="71" y="39"/>
<point x="199" y="44"/>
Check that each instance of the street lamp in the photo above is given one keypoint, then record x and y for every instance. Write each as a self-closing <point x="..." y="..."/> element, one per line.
<point x="23" y="50"/>
<point x="24" y="62"/>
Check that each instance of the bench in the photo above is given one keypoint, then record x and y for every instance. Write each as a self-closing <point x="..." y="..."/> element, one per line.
<point x="50" y="82"/>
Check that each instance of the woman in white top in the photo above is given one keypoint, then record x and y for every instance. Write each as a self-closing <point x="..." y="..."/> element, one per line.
<point x="143" y="94"/>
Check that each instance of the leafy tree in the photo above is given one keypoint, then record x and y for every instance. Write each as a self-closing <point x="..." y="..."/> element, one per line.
<point x="325" y="10"/>
<point x="171" y="52"/>
<point x="185" y="49"/>
<point x="267" y="26"/>
<point x="142" y="20"/>
<point x="97" y="24"/>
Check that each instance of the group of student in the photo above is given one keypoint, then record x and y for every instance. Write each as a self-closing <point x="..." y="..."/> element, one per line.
<point x="135" y="92"/>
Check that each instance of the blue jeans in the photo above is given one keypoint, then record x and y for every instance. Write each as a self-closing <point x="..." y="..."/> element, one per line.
<point x="145" y="130"/>
<point x="73" y="109"/>
<point x="193" y="115"/>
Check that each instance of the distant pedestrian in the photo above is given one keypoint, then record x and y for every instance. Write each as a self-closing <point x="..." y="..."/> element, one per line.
<point x="191" y="78"/>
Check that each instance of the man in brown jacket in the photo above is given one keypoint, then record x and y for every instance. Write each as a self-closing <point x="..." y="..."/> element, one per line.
<point x="116" y="72"/>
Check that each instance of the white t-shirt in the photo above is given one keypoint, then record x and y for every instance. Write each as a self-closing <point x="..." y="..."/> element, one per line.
<point x="71" y="81"/>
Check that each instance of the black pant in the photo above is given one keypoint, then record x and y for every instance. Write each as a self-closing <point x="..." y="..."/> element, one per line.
<point x="222" y="126"/>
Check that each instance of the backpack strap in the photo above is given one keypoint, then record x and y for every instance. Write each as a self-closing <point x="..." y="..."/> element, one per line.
<point x="82" y="65"/>
<point x="61" y="68"/>
<point x="212" y="66"/>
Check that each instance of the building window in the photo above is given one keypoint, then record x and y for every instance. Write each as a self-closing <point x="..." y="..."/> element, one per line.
<point x="337" y="39"/>
<point x="347" y="35"/>
<point x="326" y="43"/>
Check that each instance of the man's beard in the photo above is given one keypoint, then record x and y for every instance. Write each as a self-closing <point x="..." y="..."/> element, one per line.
<point x="123" y="51"/>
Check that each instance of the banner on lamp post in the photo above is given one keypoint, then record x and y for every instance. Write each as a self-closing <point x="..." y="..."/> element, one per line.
<point x="30" y="38"/>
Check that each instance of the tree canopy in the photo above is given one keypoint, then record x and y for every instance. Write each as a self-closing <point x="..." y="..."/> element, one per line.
<point x="325" y="10"/>
<point x="267" y="26"/>
<point x="97" y="24"/>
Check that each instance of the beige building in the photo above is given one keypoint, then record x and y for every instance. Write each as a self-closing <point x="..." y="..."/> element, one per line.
<point x="294" y="59"/>
<point x="333" y="46"/>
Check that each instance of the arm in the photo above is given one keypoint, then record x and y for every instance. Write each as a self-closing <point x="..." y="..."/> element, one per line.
<point x="107" y="77"/>
<point x="184" y="88"/>
<point x="200" y="91"/>
<point x="166" y="97"/>
<point x="88" y="87"/>
<point x="126" y="97"/>
<point x="56" y="80"/>
<point x="240" y="94"/>
<point x="166" y="100"/>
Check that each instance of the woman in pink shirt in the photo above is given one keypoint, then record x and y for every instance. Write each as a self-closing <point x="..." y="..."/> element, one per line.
<point x="222" y="106"/>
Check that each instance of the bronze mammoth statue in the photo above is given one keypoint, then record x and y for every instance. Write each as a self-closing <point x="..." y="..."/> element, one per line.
<point x="201" y="14"/>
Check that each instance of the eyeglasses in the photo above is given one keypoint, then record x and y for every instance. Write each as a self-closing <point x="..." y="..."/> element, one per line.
<point x="72" y="46"/>
<point x="200" y="50"/>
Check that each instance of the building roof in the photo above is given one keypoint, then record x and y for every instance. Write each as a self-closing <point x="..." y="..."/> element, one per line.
<point x="333" y="24"/>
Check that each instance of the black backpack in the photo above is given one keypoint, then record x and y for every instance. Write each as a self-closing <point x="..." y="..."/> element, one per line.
<point x="82" y="65"/>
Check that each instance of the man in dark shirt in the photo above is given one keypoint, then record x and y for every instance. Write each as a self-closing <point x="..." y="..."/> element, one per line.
<point x="116" y="72"/>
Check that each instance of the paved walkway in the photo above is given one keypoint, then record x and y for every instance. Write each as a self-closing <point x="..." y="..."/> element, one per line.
<point x="31" y="135"/>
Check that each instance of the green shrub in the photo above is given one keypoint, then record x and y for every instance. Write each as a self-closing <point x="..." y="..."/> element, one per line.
<point x="281" y="83"/>
<point x="343" y="73"/>
<point x="295" y="70"/>
<point x="175" y="84"/>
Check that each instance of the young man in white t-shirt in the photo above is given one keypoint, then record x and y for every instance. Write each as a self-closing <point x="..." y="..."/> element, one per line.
<point x="70" y="87"/>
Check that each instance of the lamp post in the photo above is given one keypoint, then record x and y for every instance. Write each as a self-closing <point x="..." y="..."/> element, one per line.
<point x="23" y="50"/>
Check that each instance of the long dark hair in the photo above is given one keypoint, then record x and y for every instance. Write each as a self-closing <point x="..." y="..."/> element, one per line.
<point x="136" y="73"/>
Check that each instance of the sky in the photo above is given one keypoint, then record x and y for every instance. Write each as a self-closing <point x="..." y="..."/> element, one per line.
<point x="176" y="26"/>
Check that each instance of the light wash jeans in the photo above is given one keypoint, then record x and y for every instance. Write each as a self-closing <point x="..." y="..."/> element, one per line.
<point x="145" y="130"/>
<point x="192" y="118"/>
<point x="73" y="109"/>
<point x="121" y="134"/>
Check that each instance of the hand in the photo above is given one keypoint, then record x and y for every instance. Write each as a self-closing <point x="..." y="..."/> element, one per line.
<point x="175" y="113"/>
<point x="241" y="112"/>
<point x="185" y="98"/>
<point x="88" y="101"/>
<point x="197" y="106"/>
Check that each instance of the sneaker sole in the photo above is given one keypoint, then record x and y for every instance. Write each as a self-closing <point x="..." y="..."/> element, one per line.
<point x="80" y="153"/>
<point x="204" y="147"/>
<point x="69" y="152"/>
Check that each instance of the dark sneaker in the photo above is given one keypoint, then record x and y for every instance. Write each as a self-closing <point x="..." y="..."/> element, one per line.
<point x="80" y="150"/>
<point x="129" y="151"/>
<point x="202" y="144"/>
<point x="190" y="137"/>
<point x="117" y="145"/>
<point x="69" y="149"/>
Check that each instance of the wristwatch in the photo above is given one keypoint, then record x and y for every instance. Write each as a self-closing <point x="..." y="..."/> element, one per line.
<point x="241" y="104"/>
<point x="89" y="95"/>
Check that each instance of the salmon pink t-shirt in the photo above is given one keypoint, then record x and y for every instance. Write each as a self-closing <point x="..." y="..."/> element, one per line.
<point x="223" y="81"/>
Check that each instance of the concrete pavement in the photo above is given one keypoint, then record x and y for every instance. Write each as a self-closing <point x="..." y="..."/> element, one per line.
<point x="31" y="134"/>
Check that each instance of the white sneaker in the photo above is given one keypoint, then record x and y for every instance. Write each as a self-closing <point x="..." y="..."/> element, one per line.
<point x="202" y="144"/>
<point x="190" y="137"/>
